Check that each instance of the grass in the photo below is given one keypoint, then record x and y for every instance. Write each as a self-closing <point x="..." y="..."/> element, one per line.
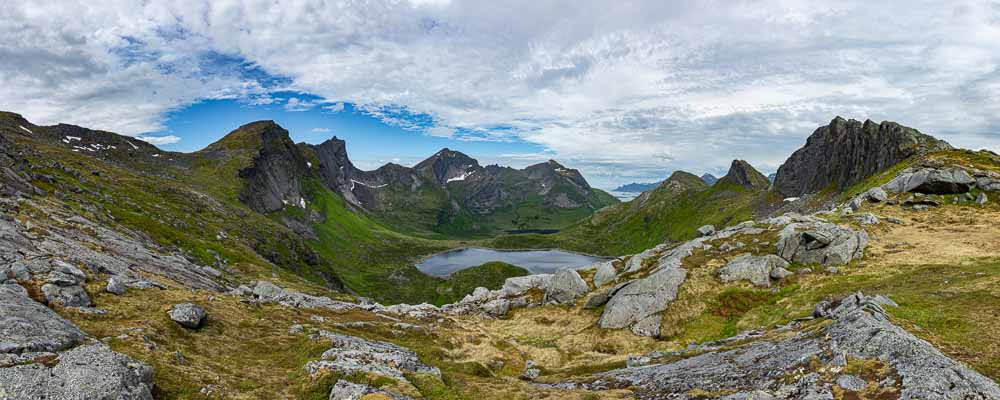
<point x="490" y="275"/>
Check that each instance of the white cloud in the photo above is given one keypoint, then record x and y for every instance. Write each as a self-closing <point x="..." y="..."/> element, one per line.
<point x="335" y="108"/>
<point x="615" y="90"/>
<point x="295" y="104"/>
<point x="159" y="140"/>
<point x="320" y="130"/>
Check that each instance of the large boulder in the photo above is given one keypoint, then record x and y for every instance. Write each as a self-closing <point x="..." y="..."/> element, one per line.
<point x="267" y="292"/>
<point x="756" y="269"/>
<point x="821" y="243"/>
<point x="605" y="274"/>
<point x="85" y="372"/>
<point x="642" y="298"/>
<point x="28" y="326"/>
<point x="188" y="315"/>
<point x="565" y="286"/>
<point x="932" y="181"/>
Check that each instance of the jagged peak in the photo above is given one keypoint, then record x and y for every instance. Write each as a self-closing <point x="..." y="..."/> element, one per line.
<point x="743" y="174"/>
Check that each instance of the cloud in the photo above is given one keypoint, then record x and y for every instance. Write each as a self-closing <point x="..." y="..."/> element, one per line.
<point x="294" y="104"/>
<point x="639" y="88"/>
<point x="320" y="130"/>
<point x="335" y="108"/>
<point x="159" y="140"/>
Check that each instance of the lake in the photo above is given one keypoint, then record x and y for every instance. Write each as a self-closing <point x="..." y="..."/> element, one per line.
<point x="535" y="261"/>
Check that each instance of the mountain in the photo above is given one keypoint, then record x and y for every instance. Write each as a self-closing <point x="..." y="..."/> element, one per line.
<point x="771" y="176"/>
<point x="709" y="178"/>
<point x="845" y="152"/>
<point x="637" y="187"/>
<point x="128" y="273"/>
<point x="671" y="212"/>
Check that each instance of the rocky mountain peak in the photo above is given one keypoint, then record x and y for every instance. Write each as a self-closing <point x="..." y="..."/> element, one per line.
<point x="446" y="165"/>
<point x="847" y="151"/>
<point x="743" y="174"/>
<point x="709" y="178"/>
<point x="273" y="179"/>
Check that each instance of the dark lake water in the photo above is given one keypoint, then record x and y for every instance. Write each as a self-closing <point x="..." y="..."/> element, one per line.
<point x="535" y="261"/>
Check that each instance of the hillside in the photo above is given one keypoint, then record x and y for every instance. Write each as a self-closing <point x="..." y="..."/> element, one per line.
<point x="672" y="212"/>
<point x="889" y="293"/>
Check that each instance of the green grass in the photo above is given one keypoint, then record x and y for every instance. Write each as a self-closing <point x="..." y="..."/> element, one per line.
<point x="490" y="275"/>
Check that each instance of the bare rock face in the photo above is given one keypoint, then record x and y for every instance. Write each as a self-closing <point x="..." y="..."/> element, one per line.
<point x="821" y="243"/>
<point x="779" y="367"/>
<point x="272" y="181"/>
<point x="85" y="372"/>
<point x="847" y="151"/>
<point x="756" y="269"/>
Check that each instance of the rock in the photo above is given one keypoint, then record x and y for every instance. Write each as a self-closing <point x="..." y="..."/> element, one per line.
<point x="867" y="219"/>
<point x="188" y="315"/>
<point x="268" y="292"/>
<point x="116" y="285"/>
<point x="846" y="152"/>
<point x="296" y="329"/>
<point x="821" y="243"/>
<point x="85" y="372"/>
<point x="779" y="273"/>
<point x="28" y="326"/>
<point x="876" y="195"/>
<point x="497" y="307"/>
<point x="743" y="174"/>
<point x="521" y="284"/>
<point x="707" y="230"/>
<point x="981" y="199"/>
<point x="606" y="273"/>
<point x="350" y="354"/>
<point x="932" y="181"/>
<point x="895" y="220"/>
<point x="530" y="371"/>
<point x="565" y="286"/>
<point x="69" y="296"/>
<point x="641" y="298"/>
<point x="636" y="262"/>
<point x="344" y="390"/>
<point x="756" y="269"/>
<point x="832" y="270"/>
<point x="859" y="329"/>
<point x="851" y="382"/>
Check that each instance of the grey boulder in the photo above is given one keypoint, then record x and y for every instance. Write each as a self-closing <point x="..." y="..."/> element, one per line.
<point x="116" y="285"/>
<point x="932" y="181"/>
<point x="605" y="274"/>
<point x="344" y="390"/>
<point x="821" y="243"/>
<point x="756" y="269"/>
<point x="188" y="315"/>
<point x="706" y="230"/>
<point x="350" y="354"/>
<point x="565" y="286"/>
<point x="83" y="373"/>
<point x="28" y="326"/>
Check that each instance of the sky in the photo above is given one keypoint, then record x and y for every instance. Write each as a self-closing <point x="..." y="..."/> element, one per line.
<point x="623" y="90"/>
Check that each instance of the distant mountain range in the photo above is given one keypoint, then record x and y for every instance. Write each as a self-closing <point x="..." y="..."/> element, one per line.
<point x="642" y="187"/>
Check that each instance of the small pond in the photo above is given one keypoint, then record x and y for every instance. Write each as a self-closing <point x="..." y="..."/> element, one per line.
<point x="535" y="261"/>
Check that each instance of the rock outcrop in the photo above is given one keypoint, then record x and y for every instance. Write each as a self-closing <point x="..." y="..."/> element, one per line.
<point x="743" y="174"/>
<point x="931" y="181"/>
<point x="778" y="366"/>
<point x="756" y="269"/>
<point x="817" y="242"/>
<point x="31" y="333"/>
<point x="847" y="151"/>
<point x="565" y="286"/>
<point x="351" y="354"/>
<point x="273" y="180"/>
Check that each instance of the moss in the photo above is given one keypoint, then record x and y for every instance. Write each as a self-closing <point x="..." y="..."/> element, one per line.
<point x="490" y="275"/>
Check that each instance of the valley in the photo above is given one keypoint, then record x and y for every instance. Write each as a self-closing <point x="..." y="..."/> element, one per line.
<point x="868" y="267"/>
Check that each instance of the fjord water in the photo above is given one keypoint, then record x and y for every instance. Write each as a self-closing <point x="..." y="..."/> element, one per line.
<point x="535" y="261"/>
